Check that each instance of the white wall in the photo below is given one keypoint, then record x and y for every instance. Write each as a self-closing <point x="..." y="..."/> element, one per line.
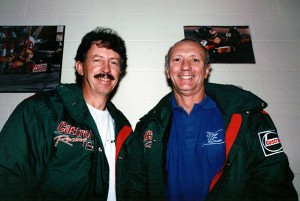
<point x="151" y="27"/>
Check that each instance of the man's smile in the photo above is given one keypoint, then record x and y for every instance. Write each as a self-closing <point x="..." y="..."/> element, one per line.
<point x="186" y="77"/>
<point x="104" y="76"/>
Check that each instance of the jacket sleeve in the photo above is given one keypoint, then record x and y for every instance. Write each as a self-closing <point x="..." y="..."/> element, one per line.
<point x="137" y="179"/>
<point x="17" y="149"/>
<point x="270" y="175"/>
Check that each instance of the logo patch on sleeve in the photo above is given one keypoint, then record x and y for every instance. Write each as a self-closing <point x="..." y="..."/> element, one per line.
<point x="148" y="139"/>
<point x="270" y="142"/>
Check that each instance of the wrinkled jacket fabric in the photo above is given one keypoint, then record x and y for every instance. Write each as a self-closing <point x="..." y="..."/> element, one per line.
<point x="249" y="173"/>
<point x="51" y="149"/>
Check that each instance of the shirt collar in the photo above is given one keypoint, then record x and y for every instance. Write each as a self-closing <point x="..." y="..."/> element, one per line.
<point x="207" y="103"/>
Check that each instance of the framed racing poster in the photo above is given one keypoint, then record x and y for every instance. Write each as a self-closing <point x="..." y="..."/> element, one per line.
<point x="30" y="57"/>
<point x="226" y="44"/>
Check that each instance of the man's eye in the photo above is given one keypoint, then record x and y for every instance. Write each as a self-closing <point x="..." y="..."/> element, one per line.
<point x="196" y="60"/>
<point x="176" y="59"/>
<point x="96" y="60"/>
<point x="116" y="63"/>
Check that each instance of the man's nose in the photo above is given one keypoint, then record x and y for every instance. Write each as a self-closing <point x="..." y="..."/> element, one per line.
<point x="185" y="65"/>
<point x="105" y="67"/>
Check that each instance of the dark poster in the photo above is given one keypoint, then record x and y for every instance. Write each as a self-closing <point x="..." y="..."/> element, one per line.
<point x="30" y="57"/>
<point x="226" y="44"/>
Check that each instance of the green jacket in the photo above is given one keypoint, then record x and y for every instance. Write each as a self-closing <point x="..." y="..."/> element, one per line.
<point x="256" y="167"/>
<point x="51" y="149"/>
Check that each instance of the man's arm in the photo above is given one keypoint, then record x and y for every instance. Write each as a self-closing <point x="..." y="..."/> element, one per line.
<point x="271" y="177"/>
<point x="137" y="179"/>
<point x="15" y="162"/>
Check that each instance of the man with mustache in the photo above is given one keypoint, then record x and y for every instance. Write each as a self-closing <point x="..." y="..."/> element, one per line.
<point x="206" y="141"/>
<point x="71" y="143"/>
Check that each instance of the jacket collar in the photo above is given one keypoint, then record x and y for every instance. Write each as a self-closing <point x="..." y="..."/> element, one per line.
<point x="162" y="111"/>
<point x="72" y="98"/>
<point x="230" y="99"/>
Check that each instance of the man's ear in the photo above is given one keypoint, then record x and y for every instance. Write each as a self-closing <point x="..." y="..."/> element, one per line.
<point x="79" y="68"/>
<point x="207" y="71"/>
<point x="167" y="71"/>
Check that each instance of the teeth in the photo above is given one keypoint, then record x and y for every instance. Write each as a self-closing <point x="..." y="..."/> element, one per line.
<point x="103" y="79"/>
<point x="187" y="77"/>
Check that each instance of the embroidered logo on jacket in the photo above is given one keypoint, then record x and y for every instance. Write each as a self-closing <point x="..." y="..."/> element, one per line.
<point x="270" y="142"/>
<point x="148" y="136"/>
<point x="69" y="135"/>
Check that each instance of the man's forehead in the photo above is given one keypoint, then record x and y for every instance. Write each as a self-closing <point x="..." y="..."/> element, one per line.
<point x="98" y="50"/>
<point x="189" y="46"/>
<point x="188" y="43"/>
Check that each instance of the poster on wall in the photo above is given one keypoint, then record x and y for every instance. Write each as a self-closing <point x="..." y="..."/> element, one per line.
<point x="30" y="57"/>
<point x="226" y="44"/>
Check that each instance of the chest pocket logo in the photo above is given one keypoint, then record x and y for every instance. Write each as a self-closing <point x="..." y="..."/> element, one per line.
<point x="148" y="137"/>
<point x="213" y="138"/>
<point x="70" y="135"/>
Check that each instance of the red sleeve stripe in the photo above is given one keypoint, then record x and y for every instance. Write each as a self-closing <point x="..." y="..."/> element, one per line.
<point x="121" y="137"/>
<point x="231" y="133"/>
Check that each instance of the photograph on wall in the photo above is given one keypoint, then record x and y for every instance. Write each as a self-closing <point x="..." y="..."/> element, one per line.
<point x="226" y="44"/>
<point x="30" y="57"/>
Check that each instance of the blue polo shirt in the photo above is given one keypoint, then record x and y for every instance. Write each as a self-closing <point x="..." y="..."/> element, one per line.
<point x="195" y="150"/>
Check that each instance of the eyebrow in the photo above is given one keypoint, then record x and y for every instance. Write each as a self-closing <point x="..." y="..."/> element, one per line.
<point x="192" y="55"/>
<point x="97" y="55"/>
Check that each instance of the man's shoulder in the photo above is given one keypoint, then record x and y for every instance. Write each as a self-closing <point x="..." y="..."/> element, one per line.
<point x="54" y="97"/>
<point x="233" y="99"/>
<point x="162" y="110"/>
<point x="116" y="113"/>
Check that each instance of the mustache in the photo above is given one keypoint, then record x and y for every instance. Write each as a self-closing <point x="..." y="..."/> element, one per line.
<point x="108" y="75"/>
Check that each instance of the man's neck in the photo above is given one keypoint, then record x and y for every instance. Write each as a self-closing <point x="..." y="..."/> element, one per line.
<point x="187" y="102"/>
<point x="98" y="102"/>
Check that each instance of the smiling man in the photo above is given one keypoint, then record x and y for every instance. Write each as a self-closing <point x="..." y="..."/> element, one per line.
<point x="101" y="72"/>
<point x="206" y="141"/>
<point x="70" y="143"/>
